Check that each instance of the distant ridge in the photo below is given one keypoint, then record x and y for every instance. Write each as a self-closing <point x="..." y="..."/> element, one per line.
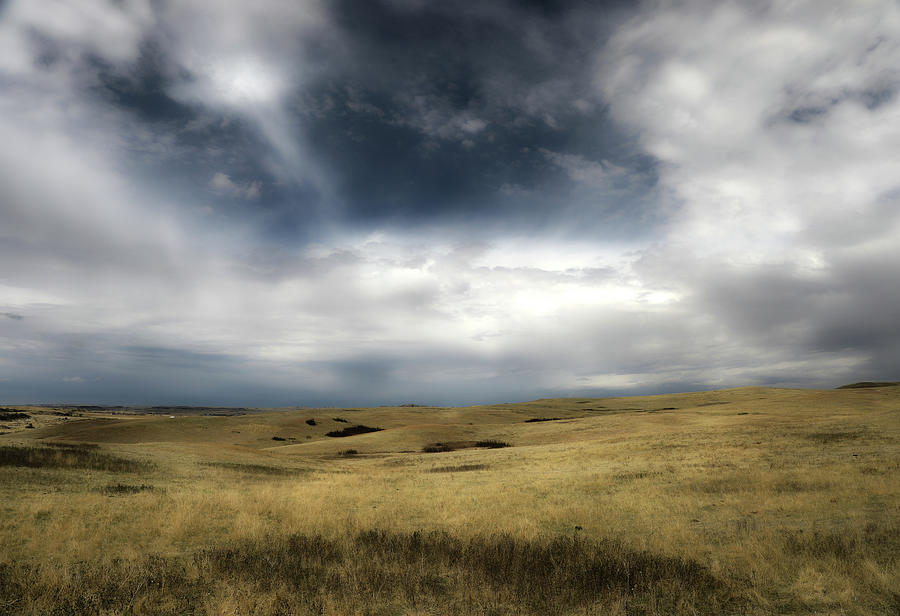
<point x="865" y="384"/>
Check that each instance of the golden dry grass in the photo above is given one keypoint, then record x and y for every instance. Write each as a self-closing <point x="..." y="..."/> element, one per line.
<point x="787" y="499"/>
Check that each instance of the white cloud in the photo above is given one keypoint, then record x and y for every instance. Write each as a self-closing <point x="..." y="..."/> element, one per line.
<point x="112" y="30"/>
<point x="776" y="129"/>
<point x="711" y="90"/>
<point x="244" y="59"/>
<point x="584" y="171"/>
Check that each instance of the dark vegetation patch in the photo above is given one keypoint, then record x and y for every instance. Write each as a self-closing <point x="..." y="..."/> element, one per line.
<point x="352" y="431"/>
<point x="72" y="446"/>
<point x="438" y="448"/>
<point x="339" y="420"/>
<point x="869" y="384"/>
<point x="635" y="475"/>
<point x="121" y="489"/>
<point x="253" y="469"/>
<point x="538" y="419"/>
<point x="12" y="415"/>
<point x="381" y="572"/>
<point x="213" y="411"/>
<point x="492" y="444"/>
<point x="872" y="470"/>
<point x="461" y="468"/>
<point x="278" y="438"/>
<point x="722" y="485"/>
<point x="69" y="457"/>
<point x="877" y="541"/>
<point x="793" y="486"/>
<point x="310" y="422"/>
<point x="835" y="436"/>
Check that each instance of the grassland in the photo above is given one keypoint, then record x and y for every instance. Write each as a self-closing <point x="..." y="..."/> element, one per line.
<point x="743" y="501"/>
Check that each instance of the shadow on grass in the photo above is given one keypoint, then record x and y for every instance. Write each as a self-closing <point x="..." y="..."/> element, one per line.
<point x="834" y="436"/>
<point x="878" y="542"/>
<point x="9" y="415"/>
<point x="458" y="469"/>
<point x="72" y="446"/>
<point x="63" y="455"/>
<point x="120" y="489"/>
<point x="438" y="448"/>
<point x="377" y="571"/>
<point x="254" y="469"/>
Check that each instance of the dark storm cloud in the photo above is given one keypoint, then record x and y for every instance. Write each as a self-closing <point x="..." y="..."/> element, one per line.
<point x="408" y="113"/>
<point x="393" y="113"/>
<point x="443" y="111"/>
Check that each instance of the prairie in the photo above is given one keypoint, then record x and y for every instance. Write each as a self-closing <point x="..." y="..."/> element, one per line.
<point x="741" y="501"/>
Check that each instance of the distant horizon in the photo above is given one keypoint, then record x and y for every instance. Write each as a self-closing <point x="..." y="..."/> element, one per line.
<point x="425" y="404"/>
<point x="381" y="200"/>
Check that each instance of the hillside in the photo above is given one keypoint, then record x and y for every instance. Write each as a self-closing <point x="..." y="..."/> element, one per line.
<point x="748" y="500"/>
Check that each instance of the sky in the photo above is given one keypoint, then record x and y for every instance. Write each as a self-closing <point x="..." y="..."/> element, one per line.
<point x="336" y="202"/>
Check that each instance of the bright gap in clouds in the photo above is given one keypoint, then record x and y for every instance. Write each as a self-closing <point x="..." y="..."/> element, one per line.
<point x="244" y="81"/>
<point x="376" y="202"/>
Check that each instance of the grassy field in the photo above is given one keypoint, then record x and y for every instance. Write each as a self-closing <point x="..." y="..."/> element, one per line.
<point x="742" y="501"/>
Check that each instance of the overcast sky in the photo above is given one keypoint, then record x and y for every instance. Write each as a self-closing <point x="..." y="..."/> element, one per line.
<point x="293" y="202"/>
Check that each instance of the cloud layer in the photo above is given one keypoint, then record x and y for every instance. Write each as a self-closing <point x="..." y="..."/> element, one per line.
<point x="372" y="202"/>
